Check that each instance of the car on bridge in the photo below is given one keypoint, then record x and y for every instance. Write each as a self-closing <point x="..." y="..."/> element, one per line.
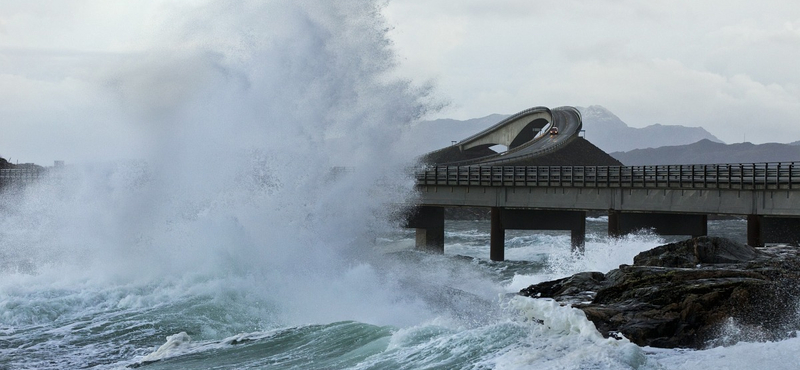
<point x="553" y="131"/>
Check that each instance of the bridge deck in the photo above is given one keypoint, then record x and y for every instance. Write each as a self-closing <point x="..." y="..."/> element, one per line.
<point x="771" y="189"/>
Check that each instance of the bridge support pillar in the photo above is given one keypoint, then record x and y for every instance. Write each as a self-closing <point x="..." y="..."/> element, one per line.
<point x="754" y="237"/>
<point x="526" y="219"/>
<point x="613" y="224"/>
<point x="578" y="234"/>
<point x="429" y="222"/>
<point x="620" y="223"/>
<point x="765" y="229"/>
<point x="497" y="238"/>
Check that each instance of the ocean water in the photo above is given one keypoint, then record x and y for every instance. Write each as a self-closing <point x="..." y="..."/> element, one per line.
<point x="394" y="309"/>
<point x="260" y="231"/>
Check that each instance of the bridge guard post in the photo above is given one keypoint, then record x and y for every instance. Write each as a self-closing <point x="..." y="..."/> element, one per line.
<point x="429" y="222"/>
<point x="497" y="236"/>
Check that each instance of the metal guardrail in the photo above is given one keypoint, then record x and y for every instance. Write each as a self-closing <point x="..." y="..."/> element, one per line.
<point x="752" y="176"/>
<point x="19" y="176"/>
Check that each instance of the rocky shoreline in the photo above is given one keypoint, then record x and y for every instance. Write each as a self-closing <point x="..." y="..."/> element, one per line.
<point x="688" y="294"/>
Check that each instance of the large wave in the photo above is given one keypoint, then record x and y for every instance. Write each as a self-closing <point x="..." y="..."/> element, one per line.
<point x="274" y="130"/>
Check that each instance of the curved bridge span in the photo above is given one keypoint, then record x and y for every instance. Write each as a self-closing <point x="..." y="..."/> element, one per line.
<point x="524" y="134"/>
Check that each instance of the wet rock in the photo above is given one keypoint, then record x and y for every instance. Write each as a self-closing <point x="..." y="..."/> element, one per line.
<point x="696" y="251"/>
<point x="685" y="294"/>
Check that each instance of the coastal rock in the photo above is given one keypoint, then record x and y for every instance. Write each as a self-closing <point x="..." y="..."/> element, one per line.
<point x="688" y="294"/>
<point x="696" y="251"/>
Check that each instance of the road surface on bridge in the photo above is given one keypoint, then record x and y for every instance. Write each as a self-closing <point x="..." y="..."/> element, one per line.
<point x="519" y="126"/>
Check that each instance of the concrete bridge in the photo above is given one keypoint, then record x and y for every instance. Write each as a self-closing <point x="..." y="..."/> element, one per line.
<point x="673" y="200"/>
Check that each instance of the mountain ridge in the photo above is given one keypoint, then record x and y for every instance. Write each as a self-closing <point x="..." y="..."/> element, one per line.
<point x="604" y="129"/>
<point x="708" y="152"/>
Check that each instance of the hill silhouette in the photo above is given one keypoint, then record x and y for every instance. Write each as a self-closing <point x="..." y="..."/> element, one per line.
<point x="709" y="152"/>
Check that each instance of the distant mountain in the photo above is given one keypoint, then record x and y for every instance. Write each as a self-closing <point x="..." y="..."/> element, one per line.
<point x="437" y="134"/>
<point x="709" y="152"/>
<point x="611" y="134"/>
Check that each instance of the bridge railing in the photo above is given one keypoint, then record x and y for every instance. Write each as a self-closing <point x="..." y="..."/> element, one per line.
<point x="750" y="176"/>
<point x="19" y="176"/>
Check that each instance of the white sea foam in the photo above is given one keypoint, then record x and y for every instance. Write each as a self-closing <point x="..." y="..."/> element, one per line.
<point x="175" y="345"/>
<point x="560" y="337"/>
<point x="783" y="355"/>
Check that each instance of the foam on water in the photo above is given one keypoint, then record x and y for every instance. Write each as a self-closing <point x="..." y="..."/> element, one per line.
<point x="176" y="345"/>
<point x="783" y="355"/>
<point x="561" y="337"/>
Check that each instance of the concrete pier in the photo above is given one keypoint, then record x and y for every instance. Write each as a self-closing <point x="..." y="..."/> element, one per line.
<point x="497" y="237"/>
<point x="763" y="229"/>
<point x="429" y="222"/>
<point x="530" y="219"/>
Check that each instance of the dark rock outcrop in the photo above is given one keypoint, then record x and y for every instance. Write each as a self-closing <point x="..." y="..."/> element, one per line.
<point x="684" y="294"/>
<point x="4" y="164"/>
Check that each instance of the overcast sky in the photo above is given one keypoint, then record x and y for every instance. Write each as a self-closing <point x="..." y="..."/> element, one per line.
<point x="729" y="66"/>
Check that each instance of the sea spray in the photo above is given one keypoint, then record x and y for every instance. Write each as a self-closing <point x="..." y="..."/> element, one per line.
<point x="235" y="220"/>
<point x="250" y="106"/>
<point x="602" y="253"/>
